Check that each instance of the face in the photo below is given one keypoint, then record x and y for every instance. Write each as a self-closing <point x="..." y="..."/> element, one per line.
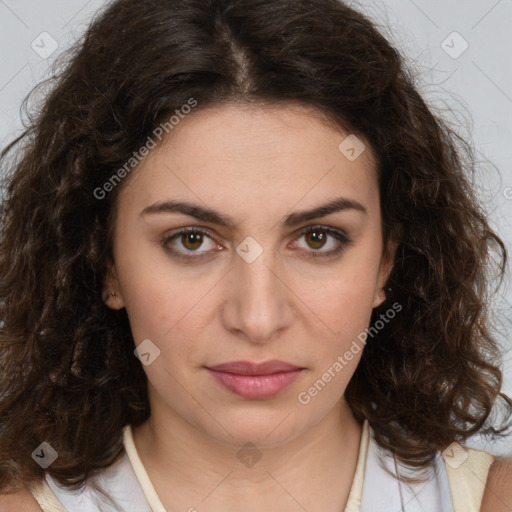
<point x="216" y="261"/>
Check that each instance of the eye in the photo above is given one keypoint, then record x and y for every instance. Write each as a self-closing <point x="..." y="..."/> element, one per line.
<point x="189" y="240"/>
<point x="324" y="241"/>
<point x="186" y="243"/>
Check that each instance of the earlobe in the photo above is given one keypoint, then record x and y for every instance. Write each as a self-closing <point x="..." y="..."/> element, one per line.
<point x="111" y="294"/>
<point x="380" y="297"/>
<point x="386" y="267"/>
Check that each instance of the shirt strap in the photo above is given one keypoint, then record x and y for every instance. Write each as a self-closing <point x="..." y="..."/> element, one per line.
<point x="140" y="471"/>
<point x="356" y="490"/>
<point x="45" y="497"/>
<point x="467" y="471"/>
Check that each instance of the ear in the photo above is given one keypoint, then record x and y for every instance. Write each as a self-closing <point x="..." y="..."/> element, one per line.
<point x="386" y="266"/>
<point x="111" y="292"/>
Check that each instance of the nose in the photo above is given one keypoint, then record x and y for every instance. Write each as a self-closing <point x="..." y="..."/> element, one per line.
<point x="259" y="304"/>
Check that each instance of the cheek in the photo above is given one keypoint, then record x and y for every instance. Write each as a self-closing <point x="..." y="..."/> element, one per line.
<point x="165" y="301"/>
<point x="344" y="307"/>
<point x="346" y="298"/>
<point x="345" y="314"/>
<point x="161" y="300"/>
<point x="340" y="310"/>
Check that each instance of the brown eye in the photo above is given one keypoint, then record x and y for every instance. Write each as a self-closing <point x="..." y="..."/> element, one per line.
<point x="316" y="239"/>
<point x="192" y="241"/>
<point x="321" y="241"/>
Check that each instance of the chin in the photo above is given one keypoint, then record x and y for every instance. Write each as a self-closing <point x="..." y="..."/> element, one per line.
<point x="265" y="430"/>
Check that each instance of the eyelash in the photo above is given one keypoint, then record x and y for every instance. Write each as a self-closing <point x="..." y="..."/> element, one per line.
<point x="339" y="235"/>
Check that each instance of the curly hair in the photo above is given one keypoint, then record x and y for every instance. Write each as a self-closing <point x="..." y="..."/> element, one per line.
<point x="68" y="374"/>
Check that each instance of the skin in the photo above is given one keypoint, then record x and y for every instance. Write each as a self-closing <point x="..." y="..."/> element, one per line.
<point x="498" y="491"/>
<point x="497" y="496"/>
<point x="269" y="163"/>
<point x="256" y="165"/>
<point x="20" y="501"/>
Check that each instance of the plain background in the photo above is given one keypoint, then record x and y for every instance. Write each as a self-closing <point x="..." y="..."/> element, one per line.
<point x="460" y="50"/>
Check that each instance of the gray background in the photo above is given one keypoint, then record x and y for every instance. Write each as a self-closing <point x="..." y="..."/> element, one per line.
<point x="460" y="49"/>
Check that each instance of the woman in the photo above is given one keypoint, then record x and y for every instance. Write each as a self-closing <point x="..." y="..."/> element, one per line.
<point x="242" y="264"/>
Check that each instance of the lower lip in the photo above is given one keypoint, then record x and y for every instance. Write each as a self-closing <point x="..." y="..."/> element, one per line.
<point x="255" y="386"/>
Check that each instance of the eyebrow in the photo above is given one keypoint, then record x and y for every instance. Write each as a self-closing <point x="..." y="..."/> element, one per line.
<point x="208" y="215"/>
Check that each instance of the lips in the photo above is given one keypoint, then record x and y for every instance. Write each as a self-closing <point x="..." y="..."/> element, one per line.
<point x="250" y="368"/>
<point x="255" y="381"/>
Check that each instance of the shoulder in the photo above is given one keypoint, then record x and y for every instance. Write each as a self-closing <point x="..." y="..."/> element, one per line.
<point x="498" y="489"/>
<point x="20" y="501"/>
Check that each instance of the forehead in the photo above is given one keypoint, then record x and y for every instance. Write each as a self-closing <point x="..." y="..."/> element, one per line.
<point x="237" y="155"/>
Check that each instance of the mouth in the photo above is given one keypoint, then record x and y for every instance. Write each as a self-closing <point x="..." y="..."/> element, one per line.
<point x="255" y="381"/>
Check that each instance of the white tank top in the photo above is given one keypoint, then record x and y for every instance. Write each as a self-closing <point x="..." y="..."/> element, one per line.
<point x="450" y="485"/>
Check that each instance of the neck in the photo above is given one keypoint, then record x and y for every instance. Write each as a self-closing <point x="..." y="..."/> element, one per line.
<point x="191" y="470"/>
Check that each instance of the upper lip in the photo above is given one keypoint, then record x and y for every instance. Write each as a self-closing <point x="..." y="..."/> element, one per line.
<point x="252" y="368"/>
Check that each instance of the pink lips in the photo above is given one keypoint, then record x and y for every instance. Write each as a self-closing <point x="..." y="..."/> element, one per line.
<point x="255" y="380"/>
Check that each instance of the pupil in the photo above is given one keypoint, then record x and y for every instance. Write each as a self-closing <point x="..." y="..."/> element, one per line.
<point x="192" y="241"/>
<point x="318" y="239"/>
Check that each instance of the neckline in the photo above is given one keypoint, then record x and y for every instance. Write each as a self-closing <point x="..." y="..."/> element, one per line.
<point x="140" y="472"/>
<point x="354" y="498"/>
<point x="356" y="490"/>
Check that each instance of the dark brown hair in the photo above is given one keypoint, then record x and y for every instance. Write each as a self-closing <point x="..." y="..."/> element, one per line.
<point x="68" y="373"/>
